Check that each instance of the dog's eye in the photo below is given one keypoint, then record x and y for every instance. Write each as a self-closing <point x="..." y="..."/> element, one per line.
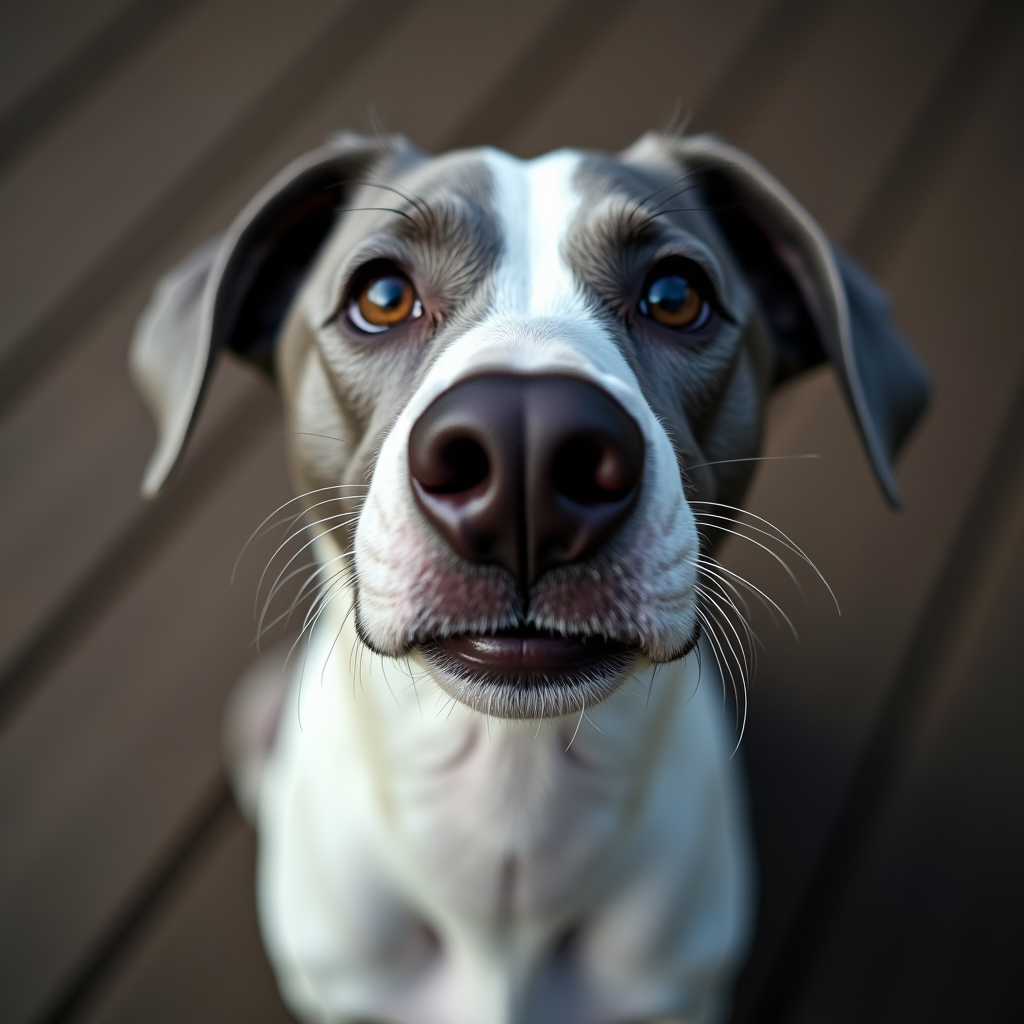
<point x="384" y="301"/>
<point x="672" y="300"/>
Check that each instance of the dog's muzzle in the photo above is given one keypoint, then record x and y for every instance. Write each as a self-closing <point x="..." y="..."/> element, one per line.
<point x="526" y="473"/>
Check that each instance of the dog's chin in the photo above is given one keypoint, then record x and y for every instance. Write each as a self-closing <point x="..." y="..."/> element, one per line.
<point x="528" y="673"/>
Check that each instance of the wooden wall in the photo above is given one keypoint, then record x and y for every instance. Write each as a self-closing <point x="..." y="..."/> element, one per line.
<point x="886" y="770"/>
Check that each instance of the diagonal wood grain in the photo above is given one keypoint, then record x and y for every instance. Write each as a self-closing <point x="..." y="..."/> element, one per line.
<point x="829" y="698"/>
<point x="199" y="959"/>
<point x="53" y="52"/>
<point x="79" y="207"/>
<point x="815" y="703"/>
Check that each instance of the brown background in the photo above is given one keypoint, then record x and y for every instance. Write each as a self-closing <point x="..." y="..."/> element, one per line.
<point x="884" y="748"/>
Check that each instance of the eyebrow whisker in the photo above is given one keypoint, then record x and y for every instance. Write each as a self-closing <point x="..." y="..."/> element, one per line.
<point x="383" y="209"/>
<point x="410" y="197"/>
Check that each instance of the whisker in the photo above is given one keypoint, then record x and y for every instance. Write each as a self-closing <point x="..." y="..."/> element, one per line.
<point x="330" y="651"/>
<point x="309" y="526"/>
<point x="583" y="711"/>
<point x="756" y="543"/>
<point x="384" y="673"/>
<point x="665" y="188"/>
<point x="675" y="195"/>
<point x="291" y="520"/>
<point x="290" y="501"/>
<point x="754" y="458"/>
<point x="301" y="596"/>
<point x="284" y="568"/>
<point x="410" y="197"/>
<point x="743" y="720"/>
<point x="263" y="627"/>
<point x="710" y="567"/>
<point x="794" y="546"/>
<point x="323" y="599"/>
<point x="326" y="437"/>
<point x="706" y="518"/>
<point x="704" y="207"/>
<point x="379" y="209"/>
<point x="746" y="583"/>
<point x="714" y="596"/>
<point x="740" y="659"/>
<point x="718" y="651"/>
<point x="744" y="668"/>
<point x="723" y="594"/>
<point x="320" y="603"/>
<point x="735" y="595"/>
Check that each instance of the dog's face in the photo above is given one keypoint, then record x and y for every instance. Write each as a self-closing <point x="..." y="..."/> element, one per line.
<point x="533" y="365"/>
<point x="508" y="383"/>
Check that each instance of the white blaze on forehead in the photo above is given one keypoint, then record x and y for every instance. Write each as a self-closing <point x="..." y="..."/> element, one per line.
<point x="536" y="202"/>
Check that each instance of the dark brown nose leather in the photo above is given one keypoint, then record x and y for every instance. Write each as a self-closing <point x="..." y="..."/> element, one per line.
<point x="526" y="472"/>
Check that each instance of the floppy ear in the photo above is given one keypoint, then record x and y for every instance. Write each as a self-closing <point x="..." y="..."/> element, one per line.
<point x="235" y="291"/>
<point x="818" y="302"/>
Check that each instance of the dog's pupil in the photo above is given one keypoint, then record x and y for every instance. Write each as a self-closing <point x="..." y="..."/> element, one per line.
<point x="669" y="293"/>
<point x="387" y="292"/>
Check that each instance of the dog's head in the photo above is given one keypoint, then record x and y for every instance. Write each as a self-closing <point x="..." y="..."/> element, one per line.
<point x="538" y="368"/>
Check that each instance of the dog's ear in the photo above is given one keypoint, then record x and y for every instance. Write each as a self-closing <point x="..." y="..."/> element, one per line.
<point x="235" y="291"/>
<point x="819" y="303"/>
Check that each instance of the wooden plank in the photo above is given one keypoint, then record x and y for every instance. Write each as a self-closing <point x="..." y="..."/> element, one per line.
<point x="199" y="959"/>
<point x="37" y="41"/>
<point x="840" y="115"/>
<point x="54" y="51"/>
<point x="70" y="201"/>
<point x="814" y="704"/>
<point x="661" y="62"/>
<point x="110" y="756"/>
<point x="71" y="459"/>
<point x="927" y="905"/>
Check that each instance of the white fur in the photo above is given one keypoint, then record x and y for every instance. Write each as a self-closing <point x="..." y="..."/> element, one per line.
<point x="536" y="201"/>
<point x="387" y="806"/>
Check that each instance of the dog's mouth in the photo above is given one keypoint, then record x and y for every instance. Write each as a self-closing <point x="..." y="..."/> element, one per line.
<point x="528" y="672"/>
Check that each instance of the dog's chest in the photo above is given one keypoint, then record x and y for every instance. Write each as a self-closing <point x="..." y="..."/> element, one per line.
<point x="508" y="817"/>
<point x="414" y="852"/>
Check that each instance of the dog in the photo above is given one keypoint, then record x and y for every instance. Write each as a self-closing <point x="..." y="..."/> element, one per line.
<point x="520" y="397"/>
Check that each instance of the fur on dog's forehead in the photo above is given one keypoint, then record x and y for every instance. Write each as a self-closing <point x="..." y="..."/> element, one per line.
<point x="536" y="229"/>
<point x="536" y="202"/>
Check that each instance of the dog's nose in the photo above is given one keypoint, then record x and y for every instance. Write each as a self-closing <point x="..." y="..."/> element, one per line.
<point x="526" y="472"/>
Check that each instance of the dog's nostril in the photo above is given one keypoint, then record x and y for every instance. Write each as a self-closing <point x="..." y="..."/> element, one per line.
<point x="461" y="466"/>
<point x="588" y="472"/>
<point x="448" y="460"/>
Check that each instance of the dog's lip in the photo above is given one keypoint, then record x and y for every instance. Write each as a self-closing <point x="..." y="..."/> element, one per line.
<point x="527" y="651"/>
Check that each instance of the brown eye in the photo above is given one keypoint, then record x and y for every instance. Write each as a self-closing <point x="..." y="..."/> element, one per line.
<point x="383" y="302"/>
<point x="673" y="301"/>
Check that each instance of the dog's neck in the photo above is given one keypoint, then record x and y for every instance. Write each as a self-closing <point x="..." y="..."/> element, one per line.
<point x="481" y="797"/>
